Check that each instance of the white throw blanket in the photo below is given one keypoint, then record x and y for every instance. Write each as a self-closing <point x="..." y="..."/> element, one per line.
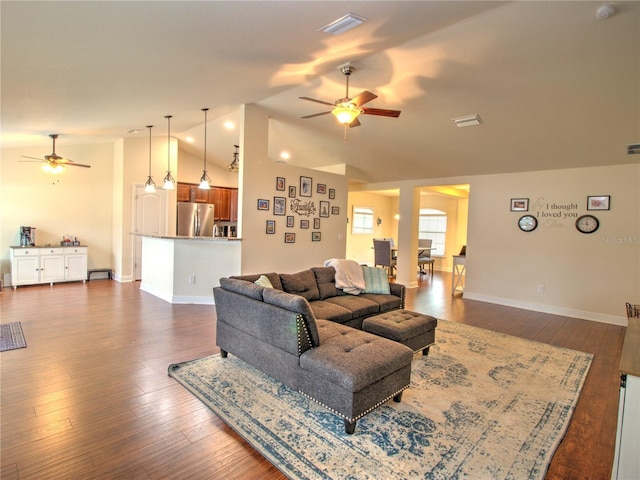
<point x="349" y="276"/>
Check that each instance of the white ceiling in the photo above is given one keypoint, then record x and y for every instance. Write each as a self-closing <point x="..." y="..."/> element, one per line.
<point x="555" y="87"/>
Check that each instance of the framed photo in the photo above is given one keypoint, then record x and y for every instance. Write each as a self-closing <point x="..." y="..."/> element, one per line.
<point x="306" y="186"/>
<point x="290" y="221"/>
<point x="519" y="204"/>
<point x="271" y="227"/>
<point x="324" y="208"/>
<point x="332" y="193"/>
<point x="316" y="224"/>
<point x="280" y="183"/>
<point x="315" y="236"/>
<point x="289" y="238"/>
<point x="598" y="202"/>
<point x="321" y="188"/>
<point x="279" y="205"/>
<point x="304" y="224"/>
<point x="292" y="191"/>
<point x="263" y="204"/>
<point x="335" y="210"/>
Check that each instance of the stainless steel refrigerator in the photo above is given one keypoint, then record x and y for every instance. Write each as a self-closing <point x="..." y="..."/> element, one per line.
<point x="195" y="220"/>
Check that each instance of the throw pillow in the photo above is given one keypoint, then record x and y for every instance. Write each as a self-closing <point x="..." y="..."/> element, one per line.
<point x="375" y="280"/>
<point x="263" y="282"/>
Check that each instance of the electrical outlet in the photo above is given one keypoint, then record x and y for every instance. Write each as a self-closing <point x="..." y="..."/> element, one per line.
<point x="541" y="288"/>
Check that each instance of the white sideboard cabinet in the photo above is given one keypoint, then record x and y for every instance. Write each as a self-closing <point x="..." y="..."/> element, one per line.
<point x="34" y="265"/>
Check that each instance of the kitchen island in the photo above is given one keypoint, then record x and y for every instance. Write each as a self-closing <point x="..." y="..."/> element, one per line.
<point x="185" y="269"/>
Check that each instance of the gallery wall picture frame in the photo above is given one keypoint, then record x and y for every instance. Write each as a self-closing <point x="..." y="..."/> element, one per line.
<point x="306" y="186"/>
<point x="321" y="188"/>
<point x="324" y="208"/>
<point x="280" y="183"/>
<point x="304" y="224"/>
<point x="290" y="221"/>
<point x="335" y="210"/>
<point x="316" y="236"/>
<point x="289" y="237"/>
<point x="599" y="202"/>
<point x="271" y="227"/>
<point x="316" y="224"/>
<point x="292" y="191"/>
<point x="279" y="206"/>
<point x="519" y="204"/>
<point x="263" y="204"/>
<point x="332" y="193"/>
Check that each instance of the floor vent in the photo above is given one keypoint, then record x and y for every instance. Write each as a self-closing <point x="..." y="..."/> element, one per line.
<point x="633" y="149"/>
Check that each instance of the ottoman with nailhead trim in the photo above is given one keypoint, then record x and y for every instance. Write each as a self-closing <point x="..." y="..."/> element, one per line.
<point x="415" y="330"/>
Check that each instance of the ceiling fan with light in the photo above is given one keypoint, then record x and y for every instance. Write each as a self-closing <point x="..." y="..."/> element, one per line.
<point x="54" y="163"/>
<point x="347" y="110"/>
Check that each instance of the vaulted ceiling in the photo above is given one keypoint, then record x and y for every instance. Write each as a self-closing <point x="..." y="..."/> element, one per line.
<point x="554" y="86"/>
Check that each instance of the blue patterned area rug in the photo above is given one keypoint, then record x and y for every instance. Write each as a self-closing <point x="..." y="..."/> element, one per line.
<point x="482" y="405"/>
<point x="11" y="336"/>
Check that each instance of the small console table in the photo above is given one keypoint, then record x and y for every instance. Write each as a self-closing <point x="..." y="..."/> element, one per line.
<point x="457" y="277"/>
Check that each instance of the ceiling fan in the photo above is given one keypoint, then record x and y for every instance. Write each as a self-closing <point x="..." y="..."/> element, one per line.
<point x="54" y="163"/>
<point x="347" y="110"/>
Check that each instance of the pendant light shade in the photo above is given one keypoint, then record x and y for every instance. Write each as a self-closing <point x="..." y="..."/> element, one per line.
<point x="169" y="181"/>
<point x="235" y="165"/>
<point x="205" y="181"/>
<point x="150" y="185"/>
<point x="346" y="113"/>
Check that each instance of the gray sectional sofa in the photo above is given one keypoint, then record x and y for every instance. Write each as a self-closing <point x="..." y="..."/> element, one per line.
<point x="303" y="331"/>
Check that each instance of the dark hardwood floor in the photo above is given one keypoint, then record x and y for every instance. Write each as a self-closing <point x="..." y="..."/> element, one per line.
<point x="89" y="398"/>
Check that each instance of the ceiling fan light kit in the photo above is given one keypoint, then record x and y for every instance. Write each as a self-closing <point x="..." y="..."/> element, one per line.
<point x="346" y="113"/>
<point x="343" y="24"/>
<point x="149" y="185"/>
<point x="169" y="181"/>
<point x="205" y="181"/>
<point x="54" y="163"/>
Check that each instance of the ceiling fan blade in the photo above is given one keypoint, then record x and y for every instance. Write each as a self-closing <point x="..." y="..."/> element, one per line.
<point x="316" y="115"/>
<point x="317" y="101"/>
<point x="381" y="112"/>
<point x="363" y="98"/>
<point x="74" y="164"/>
<point x="355" y="123"/>
<point x="32" y="158"/>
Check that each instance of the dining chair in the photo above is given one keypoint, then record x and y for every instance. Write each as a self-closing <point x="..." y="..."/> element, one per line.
<point x="424" y="255"/>
<point x="382" y="255"/>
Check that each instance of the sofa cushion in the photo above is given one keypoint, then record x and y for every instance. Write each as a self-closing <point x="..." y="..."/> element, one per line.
<point x="273" y="277"/>
<point x="330" y="311"/>
<point x="326" y="281"/>
<point x="358" y="305"/>
<point x="376" y="280"/>
<point x="242" y="287"/>
<point x="296" y="304"/>
<point x="386" y="302"/>
<point x="301" y="283"/>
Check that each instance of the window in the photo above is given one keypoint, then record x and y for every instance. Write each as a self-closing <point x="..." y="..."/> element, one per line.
<point x="362" y="220"/>
<point x="433" y="225"/>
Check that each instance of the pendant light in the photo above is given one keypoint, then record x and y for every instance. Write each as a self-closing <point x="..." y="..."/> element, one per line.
<point x="169" y="181"/>
<point x="150" y="185"/>
<point x="205" y="181"/>
<point x="235" y="165"/>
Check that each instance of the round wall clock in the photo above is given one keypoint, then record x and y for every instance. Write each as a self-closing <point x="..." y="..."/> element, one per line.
<point x="587" y="224"/>
<point x="527" y="223"/>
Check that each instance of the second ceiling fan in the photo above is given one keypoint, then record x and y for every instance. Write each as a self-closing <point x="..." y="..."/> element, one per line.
<point x="347" y="110"/>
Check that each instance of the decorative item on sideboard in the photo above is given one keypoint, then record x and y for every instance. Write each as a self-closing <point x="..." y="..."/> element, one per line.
<point x="68" y="240"/>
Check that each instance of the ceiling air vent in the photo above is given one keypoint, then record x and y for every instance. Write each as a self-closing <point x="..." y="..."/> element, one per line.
<point x="633" y="149"/>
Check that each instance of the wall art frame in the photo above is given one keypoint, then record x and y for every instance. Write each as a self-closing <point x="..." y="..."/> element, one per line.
<point x="289" y="237"/>
<point x="290" y="221"/>
<point x="324" y="208"/>
<point x="599" y="202"/>
<point x="306" y="186"/>
<point x="263" y="204"/>
<point x="292" y="191"/>
<point x="335" y="210"/>
<point x="304" y="224"/>
<point x="271" y="227"/>
<point x="280" y="183"/>
<point x="279" y="206"/>
<point x="519" y="204"/>
<point x="321" y="188"/>
<point x="316" y="224"/>
<point x="332" y="193"/>
<point x="316" y="236"/>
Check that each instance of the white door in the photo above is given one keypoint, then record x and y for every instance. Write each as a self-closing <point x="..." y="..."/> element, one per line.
<point x="150" y="219"/>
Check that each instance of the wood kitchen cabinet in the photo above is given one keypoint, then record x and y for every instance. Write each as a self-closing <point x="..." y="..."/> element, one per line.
<point x="224" y="198"/>
<point x="234" y="204"/>
<point x="183" y="192"/>
<point x="221" y="198"/>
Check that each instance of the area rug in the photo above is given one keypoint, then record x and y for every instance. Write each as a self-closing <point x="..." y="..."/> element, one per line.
<point x="481" y="405"/>
<point x="11" y="336"/>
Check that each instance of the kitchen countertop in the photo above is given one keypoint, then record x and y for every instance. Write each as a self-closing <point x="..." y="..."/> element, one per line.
<point x="183" y="237"/>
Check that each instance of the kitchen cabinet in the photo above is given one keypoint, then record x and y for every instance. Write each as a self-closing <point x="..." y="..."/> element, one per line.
<point x="199" y="195"/>
<point x="224" y="198"/>
<point x="37" y="265"/>
<point x="234" y="204"/>
<point x="221" y="198"/>
<point x="183" y="192"/>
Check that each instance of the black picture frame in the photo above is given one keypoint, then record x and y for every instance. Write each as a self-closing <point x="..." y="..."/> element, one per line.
<point x="306" y="186"/>
<point x="321" y="188"/>
<point x="599" y="202"/>
<point x="263" y="204"/>
<point x="271" y="227"/>
<point x="289" y="237"/>
<point x="279" y="206"/>
<point x="335" y="210"/>
<point x="324" y="208"/>
<point x="280" y="183"/>
<point x="316" y="236"/>
<point x="304" y="224"/>
<point x="316" y="224"/>
<point x="290" y="221"/>
<point x="519" y="204"/>
<point x="292" y="191"/>
<point x="332" y="193"/>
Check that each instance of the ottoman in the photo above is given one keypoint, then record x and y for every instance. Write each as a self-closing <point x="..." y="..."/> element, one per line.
<point x="415" y="330"/>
